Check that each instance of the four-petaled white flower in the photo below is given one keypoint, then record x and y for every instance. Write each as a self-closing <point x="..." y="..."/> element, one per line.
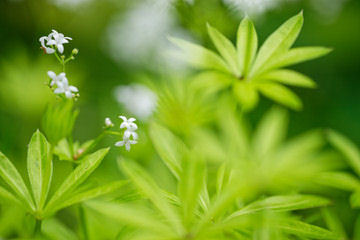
<point x="63" y="87"/>
<point x="126" y="142"/>
<point x="108" y="122"/>
<point x="46" y="49"/>
<point x="54" y="39"/>
<point x="128" y="123"/>
<point x="56" y="79"/>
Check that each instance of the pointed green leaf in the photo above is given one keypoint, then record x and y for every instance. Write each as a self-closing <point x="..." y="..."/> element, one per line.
<point x="282" y="203"/>
<point x="340" y="180"/>
<point x="247" y="95"/>
<point x="281" y="94"/>
<point x="169" y="147"/>
<point x="298" y="55"/>
<point x="76" y="177"/>
<point x="147" y="186"/>
<point x="347" y="148"/>
<point x="270" y="132"/>
<point x="300" y="228"/>
<point x="91" y="193"/>
<point x="190" y="185"/>
<point x="133" y="215"/>
<point x="9" y="196"/>
<point x="334" y="223"/>
<point x="225" y="48"/>
<point x="12" y="177"/>
<point x="55" y="230"/>
<point x="212" y="81"/>
<point x="40" y="168"/>
<point x="247" y="43"/>
<point x="278" y="42"/>
<point x="288" y="77"/>
<point x="199" y="56"/>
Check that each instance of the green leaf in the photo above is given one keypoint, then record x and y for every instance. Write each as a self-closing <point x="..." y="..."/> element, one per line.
<point x="246" y="94"/>
<point x="347" y="148"/>
<point x="225" y="48"/>
<point x="12" y="177"/>
<point x="199" y="56"/>
<point x="76" y="177"/>
<point x="288" y="77"/>
<point x="190" y="186"/>
<point x="9" y="196"/>
<point x="91" y="193"/>
<point x="298" y="55"/>
<point x="62" y="150"/>
<point x="212" y="81"/>
<point x="300" y="228"/>
<point x="334" y="223"/>
<point x="339" y="180"/>
<point x="355" y="200"/>
<point x="281" y="94"/>
<point x="270" y="132"/>
<point x="282" y="204"/>
<point x="133" y="215"/>
<point x="40" y="167"/>
<point x="247" y="43"/>
<point x="147" y="186"/>
<point x="55" y="230"/>
<point x="278" y="42"/>
<point x="169" y="147"/>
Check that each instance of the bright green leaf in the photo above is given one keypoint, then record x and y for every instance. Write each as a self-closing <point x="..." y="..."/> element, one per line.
<point x="147" y="186"/>
<point x="304" y="229"/>
<point x="199" y="56"/>
<point x="298" y="55"/>
<point x="169" y="147"/>
<point x="280" y="94"/>
<point x="40" y="167"/>
<point x="283" y="203"/>
<point x="340" y="180"/>
<point x="12" y="177"/>
<point x="278" y="42"/>
<point x="225" y="48"/>
<point x="347" y="148"/>
<point x="76" y="177"/>
<point x="288" y="77"/>
<point x="246" y="94"/>
<point x="270" y="132"/>
<point x="247" y="43"/>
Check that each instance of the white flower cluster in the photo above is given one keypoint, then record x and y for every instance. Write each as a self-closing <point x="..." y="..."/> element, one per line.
<point x="54" y="40"/>
<point x="62" y="84"/>
<point x="130" y="136"/>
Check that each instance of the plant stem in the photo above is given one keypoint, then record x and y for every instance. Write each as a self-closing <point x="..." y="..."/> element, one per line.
<point x="83" y="222"/>
<point x="37" y="230"/>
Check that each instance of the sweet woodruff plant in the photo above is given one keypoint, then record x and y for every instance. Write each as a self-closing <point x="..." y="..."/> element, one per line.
<point x="227" y="182"/>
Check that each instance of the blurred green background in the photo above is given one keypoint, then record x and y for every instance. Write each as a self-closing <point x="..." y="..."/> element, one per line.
<point x="121" y="41"/>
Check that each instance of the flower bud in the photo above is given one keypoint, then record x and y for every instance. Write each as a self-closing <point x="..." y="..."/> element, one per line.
<point x="75" y="51"/>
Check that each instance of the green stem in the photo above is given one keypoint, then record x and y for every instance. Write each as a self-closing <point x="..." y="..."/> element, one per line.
<point x="83" y="224"/>
<point x="37" y="230"/>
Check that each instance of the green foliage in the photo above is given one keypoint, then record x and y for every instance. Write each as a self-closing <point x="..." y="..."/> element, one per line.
<point x="249" y="71"/>
<point x="58" y="120"/>
<point x="40" y="168"/>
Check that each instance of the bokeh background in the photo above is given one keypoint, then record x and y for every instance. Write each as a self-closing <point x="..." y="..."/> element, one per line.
<point x="123" y="42"/>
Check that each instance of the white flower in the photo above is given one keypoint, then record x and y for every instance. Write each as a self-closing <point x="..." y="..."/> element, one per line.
<point x="108" y="122"/>
<point x="126" y="142"/>
<point x="129" y="133"/>
<point x="56" y="79"/>
<point x="46" y="49"/>
<point x="128" y="123"/>
<point x="137" y="99"/>
<point x="58" y="39"/>
<point x="63" y="87"/>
